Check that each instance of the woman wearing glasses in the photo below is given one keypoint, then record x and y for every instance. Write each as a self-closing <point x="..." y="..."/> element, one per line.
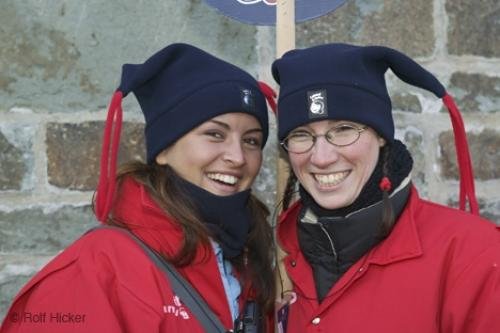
<point x="363" y="253"/>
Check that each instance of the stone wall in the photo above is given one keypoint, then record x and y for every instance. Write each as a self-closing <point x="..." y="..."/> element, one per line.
<point x="60" y="62"/>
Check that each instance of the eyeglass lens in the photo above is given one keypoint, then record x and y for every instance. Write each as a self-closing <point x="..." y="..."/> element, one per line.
<point x="302" y="141"/>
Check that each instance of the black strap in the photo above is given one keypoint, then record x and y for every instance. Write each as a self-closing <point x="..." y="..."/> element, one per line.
<point x="182" y="288"/>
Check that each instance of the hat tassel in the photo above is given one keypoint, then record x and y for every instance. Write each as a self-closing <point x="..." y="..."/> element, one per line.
<point x="466" y="174"/>
<point x="107" y="176"/>
<point x="269" y="94"/>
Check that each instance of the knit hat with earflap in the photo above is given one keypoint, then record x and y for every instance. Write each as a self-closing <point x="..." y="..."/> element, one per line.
<point x="347" y="82"/>
<point x="178" y="88"/>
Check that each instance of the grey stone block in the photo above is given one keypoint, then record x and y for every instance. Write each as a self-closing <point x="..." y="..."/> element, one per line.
<point x="61" y="56"/>
<point x="35" y="231"/>
<point x="475" y="92"/>
<point x="16" y="156"/>
<point x="473" y="27"/>
<point x="484" y="154"/>
<point x="74" y="152"/>
<point x="406" y="102"/>
<point x="396" y="23"/>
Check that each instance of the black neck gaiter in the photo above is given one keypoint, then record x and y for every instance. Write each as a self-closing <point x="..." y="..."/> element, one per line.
<point x="399" y="165"/>
<point x="227" y="217"/>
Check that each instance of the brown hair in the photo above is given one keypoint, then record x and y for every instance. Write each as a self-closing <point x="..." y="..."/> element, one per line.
<point x="255" y="263"/>
<point x="290" y="190"/>
<point x="388" y="217"/>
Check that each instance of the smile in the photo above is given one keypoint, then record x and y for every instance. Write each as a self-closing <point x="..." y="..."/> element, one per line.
<point x="223" y="178"/>
<point x="331" y="179"/>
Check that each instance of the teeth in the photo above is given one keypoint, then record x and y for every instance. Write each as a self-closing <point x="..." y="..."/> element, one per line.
<point x="227" y="179"/>
<point x="331" y="179"/>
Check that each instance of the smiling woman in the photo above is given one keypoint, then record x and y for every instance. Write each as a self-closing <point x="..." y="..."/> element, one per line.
<point x="225" y="154"/>
<point x="335" y="174"/>
<point x="191" y="202"/>
<point x="364" y="253"/>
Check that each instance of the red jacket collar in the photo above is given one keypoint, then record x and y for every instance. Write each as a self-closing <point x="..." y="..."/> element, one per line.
<point x="138" y="211"/>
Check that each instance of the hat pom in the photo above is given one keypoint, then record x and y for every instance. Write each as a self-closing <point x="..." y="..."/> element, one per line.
<point x="385" y="184"/>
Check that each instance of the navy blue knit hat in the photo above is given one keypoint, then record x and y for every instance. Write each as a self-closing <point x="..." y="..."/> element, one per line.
<point x="182" y="86"/>
<point x="346" y="82"/>
<point x="178" y="88"/>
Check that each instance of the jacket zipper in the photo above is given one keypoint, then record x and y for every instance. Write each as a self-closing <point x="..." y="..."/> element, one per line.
<point x="332" y="244"/>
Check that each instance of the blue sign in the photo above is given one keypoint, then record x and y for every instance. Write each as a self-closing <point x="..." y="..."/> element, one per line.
<point x="263" y="12"/>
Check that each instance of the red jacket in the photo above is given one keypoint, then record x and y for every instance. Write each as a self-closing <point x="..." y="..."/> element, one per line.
<point x="438" y="271"/>
<point x="104" y="282"/>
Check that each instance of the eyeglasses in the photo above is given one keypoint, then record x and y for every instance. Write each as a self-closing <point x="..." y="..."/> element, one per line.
<point x="302" y="141"/>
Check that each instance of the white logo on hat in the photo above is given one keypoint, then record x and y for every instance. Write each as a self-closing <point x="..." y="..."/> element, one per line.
<point x="247" y="100"/>
<point x="247" y="96"/>
<point x="317" y="105"/>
